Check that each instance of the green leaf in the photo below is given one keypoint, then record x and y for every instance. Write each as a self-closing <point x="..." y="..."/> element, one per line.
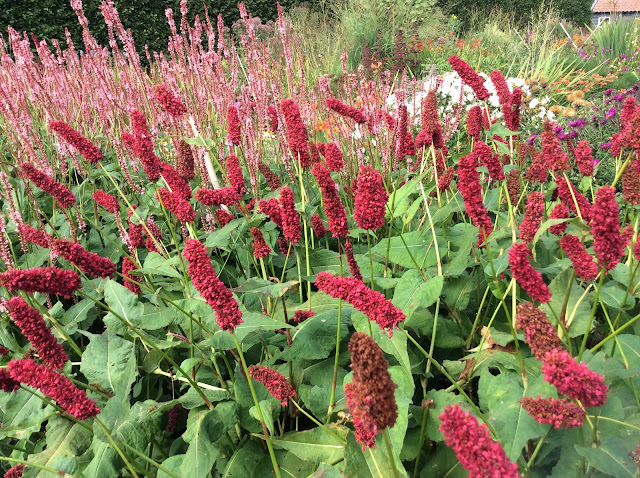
<point x="174" y="465"/>
<point x="110" y="361"/>
<point x="105" y="462"/>
<point x="611" y="457"/>
<point x="158" y="316"/>
<point x="221" y="238"/>
<point x="398" y="200"/>
<point x="501" y="395"/>
<point x="66" y="441"/>
<point x="315" y="445"/>
<point x="412" y="292"/>
<point x="252" y="322"/>
<point x="200" y="141"/>
<point x="155" y="264"/>
<point x="202" y="452"/>
<point x="441" y="399"/>
<point x="419" y="246"/>
<point x="123" y="302"/>
<point x="24" y="413"/>
<point x="578" y="309"/>
<point x="315" y="338"/>
<point x="244" y="461"/>
<point x="267" y="414"/>
<point x="268" y="288"/>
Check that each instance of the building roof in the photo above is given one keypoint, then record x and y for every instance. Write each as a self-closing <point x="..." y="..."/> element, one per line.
<point x="619" y="6"/>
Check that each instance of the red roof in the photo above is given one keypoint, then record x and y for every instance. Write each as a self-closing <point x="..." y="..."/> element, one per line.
<point x="619" y="6"/>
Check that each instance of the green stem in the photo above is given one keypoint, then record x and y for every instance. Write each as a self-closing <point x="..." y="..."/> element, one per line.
<point x="117" y="449"/>
<point x="392" y="461"/>
<point x="592" y="316"/>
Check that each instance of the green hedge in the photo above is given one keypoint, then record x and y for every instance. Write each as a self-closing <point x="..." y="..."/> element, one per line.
<point x="47" y="19"/>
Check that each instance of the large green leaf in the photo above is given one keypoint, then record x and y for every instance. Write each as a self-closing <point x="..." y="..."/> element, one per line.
<point x="122" y="302"/>
<point x="221" y="238"/>
<point x="500" y="395"/>
<point x="66" y="441"/>
<point x="24" y="413"/>
<point x="611" y="457"/>
<point x="412" y="292"/>
<point x="244" y="460"/>
<point x="251" y="323"/>
<point x="441" y="399"/>
<point x="105" y="462"/>
<point x="315" y="338"/>
<point x="412" y="246"/>
<point x="315" y="445"/>
<point x="578" y="309"/>
<point x="155" y="264"/>
<point x="202" y="452"/>
<point x="268" y="288"/>
<point x="110" y="361"/>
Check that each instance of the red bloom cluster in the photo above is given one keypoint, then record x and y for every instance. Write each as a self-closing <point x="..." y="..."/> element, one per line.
<point x="184" y="161"/>
<point x="49" y="185"/>
<point x="574" y="379"/>
<point x="370" y="396"/>
<point x="513" y="186"/>
<point x="177" y="205"/>
<point x="533" y="216"/>
<point x="538" y="331"/>
<point x="559" y="413"/>
<point x="333" y="207"/>
<point x="284" y="246"/>
<point x="175" y="182"/>
<point x="89" y="150"/>
<point x="582" y="261"/>
<point x="475" y="124"/>
<point x="354" y="268"/>
<point x="469" y="186"/>
<point x="296" y="132"/>
<point x="318" y="226"/>
<point x="469" y="77"/>
<point x="273" y="118"/>
<point x="36" y="236"/>
<point x="234" y="173"/>
<point x="567" y="192"/>
<point x="584" y="158"/>
<point x="212" y="289"/>
<point x="302" y="315"/>
<point x="215" y="197"/>
<point x="476" y="451"/>
<point x="274" y="381"/>
<point x="525" y="275"/>
<point x="35" y="329"/>
<point x="88" y="262"/>
<point x="273" y="181"/>
<point x="260" y="248"/>
<point x="169" y="102"/>
<point x="608" y="243"/>
<point x="345" y="110"/>
<point x="271" y="207"/>
<point x="224" y="217"/>
<point x="371" y="303"/>
<point x="489" y="159"/>
<point x="333" y="156"/>
<point x="444" y="181"/>
<point x="290" y="218"/>
<point x="235" y="134"/>
<point x="55" y="386"/>
<point x="502" y="89"/>
<point x="136" y="232"/>
<point x="559" y="211"/>
<point x="553" y="156"/>
<point x="430" y="121"/>
<point x="127" y="267"/>
<point x="15" y="472"/>
<point x="141" y="145"/>
<point x="511" y="110"/>
<point x="7" y="384"/>
<point x="371" y="199"/>
<point x="50" y="280"/>
<point x="107" y="201"/>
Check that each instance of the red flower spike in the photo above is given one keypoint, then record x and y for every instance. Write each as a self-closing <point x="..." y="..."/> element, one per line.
<point x="35" y="329"/>
<point x="175" y="182"/>
<point x="525" y="275"/>
<point x="127" y="267"/>
<point x="141" y="145"/>
<point x="302" y="315"/>
<point x="55" y="386"/>
<point x="430" y="123"/>
<point x="344" y="110"/>
<point x="533" y="216"/>
<point x="185" y="164"/>
<point x="49" y="280"/>
<point x="569" y="195"/>
<point x="473" y="445"/>
<point x="559" y="211"/>
<point x="582" y="261"/>
<point x="469" y="186"/>
<point x="273" y="181"/>
<point x="502" y="89"/>
<point x="559" y="413"/>
<point x="15" y="472"/>
<point x="234" y="173"/>
<point x="273" y="118"/>
<point x="354" y="268"/>
<point x="318" y="226"/>
<point x="371" y="199"/>
<point x="511" y="110"/>
<point x="608" y="243"/>
<point x="297" y="136"/>
<point x="539" y="334"/>
<point x="235" y="134"/>
<point x="212" y="289"/>
<point x="584" y="158"/>
<point x="469" y="77"/>
<point x="371" y="303"/>
<point x="475" y="124"/>
<point x="553" y="156"/>
<point x="88" y="262"/>
<point x="334" y="157"/>
<point x="7" y="384"/>
<point x="177" y="205"/>
<point x="169" y="102"/>
<point x="489" y="159"/>
<point x="57" y="190"/>
<point x="260" y="248"/>
<point x="574" y="379"/>
<point x="333" y="207"/>
<point x="35" y="236"/>
<point x="271" y="207"/>
<point x="107" y="201"/>
<point x="274" y="381"/>
<point x="216" y="197"/>
<point x="290" y="219"/>
<point x="85" y="147"/>
<point x="223" y="217"/>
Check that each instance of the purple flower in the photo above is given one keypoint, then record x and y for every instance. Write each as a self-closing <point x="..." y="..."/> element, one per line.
<point x="573" y="134"/>
<point x="605" y="145"/>
<point x="612" y="112"/>
<point x="619" y="97"/>
<point x="579" y="123"/>
<point x="609" y="92"/>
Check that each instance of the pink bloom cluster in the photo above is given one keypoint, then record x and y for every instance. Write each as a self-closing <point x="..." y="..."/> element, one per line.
<point x="169" y="102"/>
<point x="582" y="261"/>
<point x="472" y="443"/>
<point x="212" y="289"/>
<point x="533" y="216"/>
<point x="371" y="199"/>
<point x="49" y="280"/>
<point x="234" y="173"/>
<point x="271" y="207"/>
<point x="49" y="185"/>
<point x="274" y="381"/>
<point x="608" y="242"/>
<point x="215" y="197"/>
<point x="553" y="156"/>
<point x="333" y="207"/>
<point x="55" y="386"/>
<point x="235" y="134"/>
<point x="345" y="110"/>
<point x="296" y="132"/>
<point x="552" y="411"/>
<point x="177" y="205"/>
<point x="333" y="156"/>
<point x="36" y="236"/>
<point x="260" y="248"/>
<point x="371" y="303"/>
<point x="88" y="262"/>
<point x="567" y="192"/>
<point x="469" y="77"/>
<point x="177" y="184"/>
<point x="318" y="226"/>
<point x="559" y="211"/>
<point x="489" y="159"/>
<point x="475" y="125"/>
<point x="525" y="275"/>
<point x="574" y="379"/>
<point x="127" y="267"/>
<point x="290" y="219"/>
<point x="469" y="186"/>
<point x="539" y="334"/>
<point x="140" y="143"/>
<point x="302" y="315"/>
<point x="35" y="329"/>
<point x="89" y="150"/>
<point x="584" y="158"/>
<point x="107" y="201"/>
